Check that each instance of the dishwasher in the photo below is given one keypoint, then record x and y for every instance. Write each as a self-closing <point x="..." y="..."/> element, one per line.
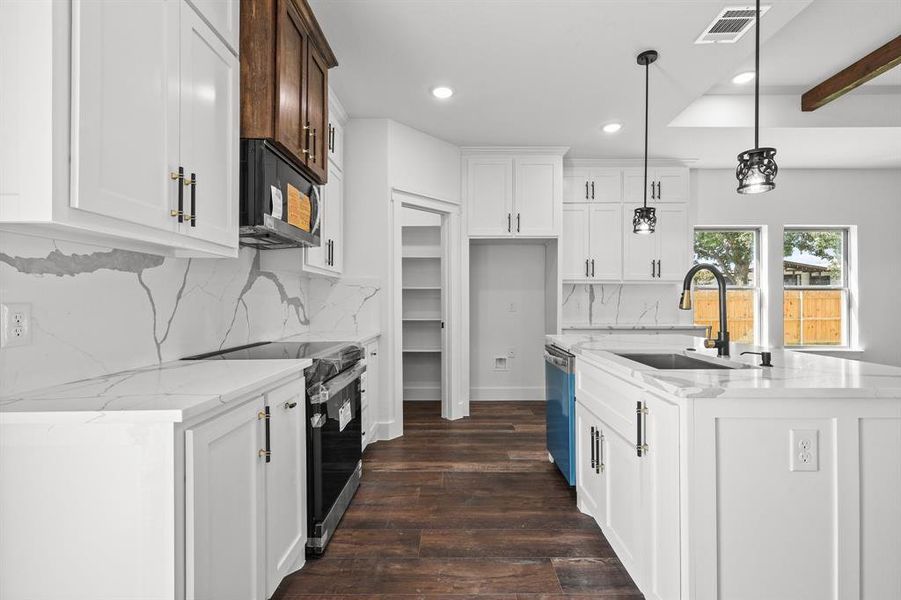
<point x="559" y="383"/>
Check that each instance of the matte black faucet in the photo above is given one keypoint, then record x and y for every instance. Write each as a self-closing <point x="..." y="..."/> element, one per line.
<point x="721" y="343"/>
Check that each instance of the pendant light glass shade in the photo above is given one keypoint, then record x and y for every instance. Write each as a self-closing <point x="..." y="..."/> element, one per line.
<point x="757" y="169"/>
<point x="645" y="220"/>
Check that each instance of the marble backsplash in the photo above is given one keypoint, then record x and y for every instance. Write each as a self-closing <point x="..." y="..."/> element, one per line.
<point x="622" y="304"/>
<point x="99" y="310"/>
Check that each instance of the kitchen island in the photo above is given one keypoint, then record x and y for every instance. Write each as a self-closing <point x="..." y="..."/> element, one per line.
<point x="732" y="480"/>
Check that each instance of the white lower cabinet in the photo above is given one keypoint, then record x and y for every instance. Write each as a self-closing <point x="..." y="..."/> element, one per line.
<point x="254" y="457"/>
<point x="121" y="504"/>
<point x="628" y="477"/>
<point x="286" y="486"/>
<point x="225" y="506"/>
<point x="369" y="395"/>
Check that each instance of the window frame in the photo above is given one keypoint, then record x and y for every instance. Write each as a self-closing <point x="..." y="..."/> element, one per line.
<point x="760" y="313"/>
<point x="845" y="287"/>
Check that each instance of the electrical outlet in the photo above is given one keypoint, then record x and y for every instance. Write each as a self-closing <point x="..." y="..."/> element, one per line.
<point x="500" y="363"/>
<point x="15" y="325"/>
<point x="804" y="452"/>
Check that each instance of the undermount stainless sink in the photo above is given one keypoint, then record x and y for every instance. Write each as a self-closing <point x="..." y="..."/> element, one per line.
<point x="675" y="361"/>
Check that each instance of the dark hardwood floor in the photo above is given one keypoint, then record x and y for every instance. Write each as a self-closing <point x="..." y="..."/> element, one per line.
<point x="464" y="509"/>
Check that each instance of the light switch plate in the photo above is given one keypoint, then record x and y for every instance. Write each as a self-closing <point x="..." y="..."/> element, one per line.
<point x="15" y="325"/>
<point x="804" y="451"/>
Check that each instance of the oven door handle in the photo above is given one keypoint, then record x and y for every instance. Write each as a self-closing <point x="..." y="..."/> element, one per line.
<point x="336" y="384"/>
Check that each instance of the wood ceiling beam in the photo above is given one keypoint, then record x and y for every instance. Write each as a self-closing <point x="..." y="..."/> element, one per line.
<point x="875" y="63"/>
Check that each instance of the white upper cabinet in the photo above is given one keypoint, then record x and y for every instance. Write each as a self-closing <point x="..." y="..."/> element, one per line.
<point x="665" y="184"/>
<point x="490" y="196"/>
<point x="514" y="195"/>
<point x="537" y="196"/>
<point x="592" y="242"/>
<point x="142" y="89"/>
<point x="335" y="142"/>
<point x="605" y="241"/>
<point x="574" y="242"/>
<point x="328" y="258"/>
<point x="662" y="255"/>
<point x="224" y="17"/>
<point x="125" y="97"/>
<point x="582" y="184"/>
<point x="209" y="132"/>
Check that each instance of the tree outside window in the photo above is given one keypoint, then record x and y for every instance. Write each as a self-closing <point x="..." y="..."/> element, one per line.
<point x="735" y="253"/>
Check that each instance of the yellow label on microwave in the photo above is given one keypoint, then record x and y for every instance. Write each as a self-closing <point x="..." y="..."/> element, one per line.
<point x="300" y="209"/>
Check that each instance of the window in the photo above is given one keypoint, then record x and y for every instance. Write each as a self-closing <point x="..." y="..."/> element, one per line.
<point x="816" y="295"/>
<point x="735" y="253"/>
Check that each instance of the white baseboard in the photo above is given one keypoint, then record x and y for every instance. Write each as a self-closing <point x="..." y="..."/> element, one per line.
<point x="536" y="393"/>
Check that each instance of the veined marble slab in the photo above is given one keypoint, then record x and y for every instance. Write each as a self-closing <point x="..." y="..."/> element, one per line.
<point x="794" y="374"/>
<point x="174" y="391"/>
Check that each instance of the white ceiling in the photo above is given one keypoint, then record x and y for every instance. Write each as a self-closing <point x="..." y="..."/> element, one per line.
<point x="551" y="72"/>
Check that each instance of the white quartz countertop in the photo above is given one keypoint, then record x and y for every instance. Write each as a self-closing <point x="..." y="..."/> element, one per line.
<point x="362" y="337"/>
<point x="174" y="391"/>
<point x="633" y="327"/>
<point x="794" y="374"/>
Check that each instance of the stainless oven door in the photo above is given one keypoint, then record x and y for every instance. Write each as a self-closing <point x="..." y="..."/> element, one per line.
<point x="334" y="453"/>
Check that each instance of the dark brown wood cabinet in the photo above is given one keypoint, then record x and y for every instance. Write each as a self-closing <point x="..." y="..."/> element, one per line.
<point x="285" y="60"/>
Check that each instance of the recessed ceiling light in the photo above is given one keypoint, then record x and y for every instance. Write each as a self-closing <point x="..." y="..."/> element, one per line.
<point x="442" y="92"/>
<point x="612" y="127"/>
<point x="743" y="78"/>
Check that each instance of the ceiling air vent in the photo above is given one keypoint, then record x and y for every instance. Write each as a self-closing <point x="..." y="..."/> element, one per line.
<point x="729" y="25"/>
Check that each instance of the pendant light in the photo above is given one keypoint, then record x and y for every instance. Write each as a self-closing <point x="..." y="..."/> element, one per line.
<point x="645" y="220"/>
<point x="756" y="167"/>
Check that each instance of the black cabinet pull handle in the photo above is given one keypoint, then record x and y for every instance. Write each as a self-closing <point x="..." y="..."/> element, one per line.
<point x="597" y="451"/>
<point x="659" y="261"/>
<point x="586" y="190"/>
<point x="509" y="226"/>
<point x="659" y="191"/>
<point x="264" y="416"/>
<point x="592" y="190"/>
<point x="586" y="268"/>
<point x="653" y="197"/>
<point x="652" y="269"/>
<point x="592" y="267"/>
<point x="591" y="446"/>
<point x="517" y="222"/>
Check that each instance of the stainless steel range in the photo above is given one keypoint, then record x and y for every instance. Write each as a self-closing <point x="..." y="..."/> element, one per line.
<point x="334" y="434"/>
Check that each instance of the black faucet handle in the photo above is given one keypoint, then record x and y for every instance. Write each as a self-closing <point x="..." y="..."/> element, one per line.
<point x="765" y="358"/>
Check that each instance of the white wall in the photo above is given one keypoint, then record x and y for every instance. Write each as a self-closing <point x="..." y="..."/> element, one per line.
<point x="380" y="156"/>
<point x="422" y="164"/>
<point x="869" y="199"/>
<point x="502" y="274"/>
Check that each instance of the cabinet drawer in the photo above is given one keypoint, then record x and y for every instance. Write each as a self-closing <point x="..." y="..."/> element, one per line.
<point x="609" y="397"/>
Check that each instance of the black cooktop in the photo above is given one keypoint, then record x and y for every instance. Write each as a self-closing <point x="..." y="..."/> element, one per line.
<point x="276" y="350"/>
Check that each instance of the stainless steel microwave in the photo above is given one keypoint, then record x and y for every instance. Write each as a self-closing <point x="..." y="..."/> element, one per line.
<point x="279" y="205"/>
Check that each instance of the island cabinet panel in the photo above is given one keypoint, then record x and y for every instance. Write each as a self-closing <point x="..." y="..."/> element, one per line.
<point x="285" y="60"/>
<point x="633" y="489"/>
